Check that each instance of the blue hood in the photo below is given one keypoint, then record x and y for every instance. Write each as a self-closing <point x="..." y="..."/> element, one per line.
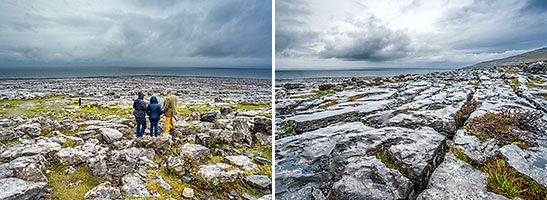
<point x="153" y="99"/>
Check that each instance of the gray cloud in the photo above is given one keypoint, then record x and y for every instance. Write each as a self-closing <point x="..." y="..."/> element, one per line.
<point x="203" y="33"/>
<point x="371" y="42"/>
<point x="535" y="6"/>
<point x="417" y="33"/>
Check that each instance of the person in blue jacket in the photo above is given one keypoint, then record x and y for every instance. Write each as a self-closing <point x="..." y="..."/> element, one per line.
<point x="154" y="111"/>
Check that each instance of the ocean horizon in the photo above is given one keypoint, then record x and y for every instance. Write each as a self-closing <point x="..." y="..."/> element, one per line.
<point x="99" y="71"/>
<point x="371" y="72"/>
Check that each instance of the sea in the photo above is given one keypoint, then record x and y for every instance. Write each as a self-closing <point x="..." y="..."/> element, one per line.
<point x="66" y="72"/>
<point x="372" y="72"/>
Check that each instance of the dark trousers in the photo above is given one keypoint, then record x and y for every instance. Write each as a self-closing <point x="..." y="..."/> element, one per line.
<point x="154" y="127"/>
<point x="141" y="125"/>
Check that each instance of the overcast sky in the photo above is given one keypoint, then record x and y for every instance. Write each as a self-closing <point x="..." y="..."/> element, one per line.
<point x="312" y="34"/>
<point x="227" y="33"/>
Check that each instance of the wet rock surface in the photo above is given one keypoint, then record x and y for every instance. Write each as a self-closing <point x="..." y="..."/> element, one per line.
<point x="53" y="148"/>
<point x="396" y="137"/>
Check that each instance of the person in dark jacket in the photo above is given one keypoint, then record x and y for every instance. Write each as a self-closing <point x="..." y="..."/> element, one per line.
<point x="140" y="114"/>
<point x="154" y="111"/>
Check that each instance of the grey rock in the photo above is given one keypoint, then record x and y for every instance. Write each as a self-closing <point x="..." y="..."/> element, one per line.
<point x="159" y="179"/>
<point x="479" y="152"/>
<point x="259" y="181"/>
<point x="531" y="161"/>
<point x="265" y="197"/>
<point x="193" y="150"/>
<point x="14" y="189"/>
<point x="103" y="191"/>
<point x="176" y="164"/>
<point x="242" y="130"/>
<point x="262" y="139"/>
<point x="455" y="179"/>
<point x="71" y="156"/>
<point x="224" y="110"/>
<point x="110" y="135"/>
<point x="205" y="139"/>
<point x="157" y="143"/>
<point x="32" y="130"/>
<point x="134" y="185"/>
<point x="241" y="161"/>
<point x="536" y="68"/>
<point x="211" y="116"/>
<point x="121" y="162"/>
<point x="263" y="124"/>
<point x="216" y="173"/>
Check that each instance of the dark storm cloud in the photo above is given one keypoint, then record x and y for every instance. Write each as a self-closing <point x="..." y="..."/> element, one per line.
<point x="201" y="33"/>
<point x="535" y="6"/>
<point x="372" y="42"/>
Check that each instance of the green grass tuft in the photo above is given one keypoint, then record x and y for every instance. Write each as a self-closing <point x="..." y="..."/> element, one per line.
<point x="61" y="190"/>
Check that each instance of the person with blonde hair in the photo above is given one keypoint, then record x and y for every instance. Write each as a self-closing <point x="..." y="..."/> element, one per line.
<point x="170" y="110"/>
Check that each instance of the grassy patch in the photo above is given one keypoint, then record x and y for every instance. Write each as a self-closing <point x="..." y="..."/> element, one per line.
<point x="406" y="111"/>
<point x="509" y="125"/>
<point x="536" y="83"/>
<point x="267" y="115"/>
<point x="515" y="81"/>
<point x="69" y="143"/>
<point x="462" y="156"/>
<point x="204" y="108"/>
<point x="314" y="93"/>
<point x="173" y="180"/>
<point x="61" y="190"/>
<point x="286" y="128"/>
<point x="505" y="180"/>
<point x="10" y="141"/>
<point x="463" y="113"/>
<point x="541" y="94"/>
<point x="249" y="106"/>
<point x="481" y="136"/>
<point x="330" y="103"/>
<point x="390" y="163"/>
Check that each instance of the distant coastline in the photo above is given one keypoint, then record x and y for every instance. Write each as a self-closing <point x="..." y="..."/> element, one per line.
<point x="370" y="72"/>
<point x="94" y="72"/>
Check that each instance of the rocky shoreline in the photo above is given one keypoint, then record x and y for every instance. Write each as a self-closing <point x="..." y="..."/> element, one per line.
<point x="452" y="135"/>
<point x="52" y="148"/>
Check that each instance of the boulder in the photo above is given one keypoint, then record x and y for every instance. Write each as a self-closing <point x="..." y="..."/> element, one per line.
<point x="224" y="110"/>
<point x="536" y="68"/>
<point x="455" y="179"/>
<point x="193" y="150"/>
<point x="121" y="162"/>
<point x="33" y="130"/>
<point x="242" y="130"/>
<point x="157" y="143"/>
<point x="479" y="152"/>
<point x="14" y="189"/>
<point x="263" y="124"/>
<point x="135" y="185"/>
<point x="188" y="193"/>
<point x="241" y="161"/>
<point x="103" y="191"/>
<point x="216" y="173"/>
<point x="109" y="135"/>
<point x="71" y="156"/>
<point x="326" y="86"/>
<point x="176" y="164"/>
<point x="259" y="181"/>
<point x="205" y="139"/>
<point x="211" y="116"/>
